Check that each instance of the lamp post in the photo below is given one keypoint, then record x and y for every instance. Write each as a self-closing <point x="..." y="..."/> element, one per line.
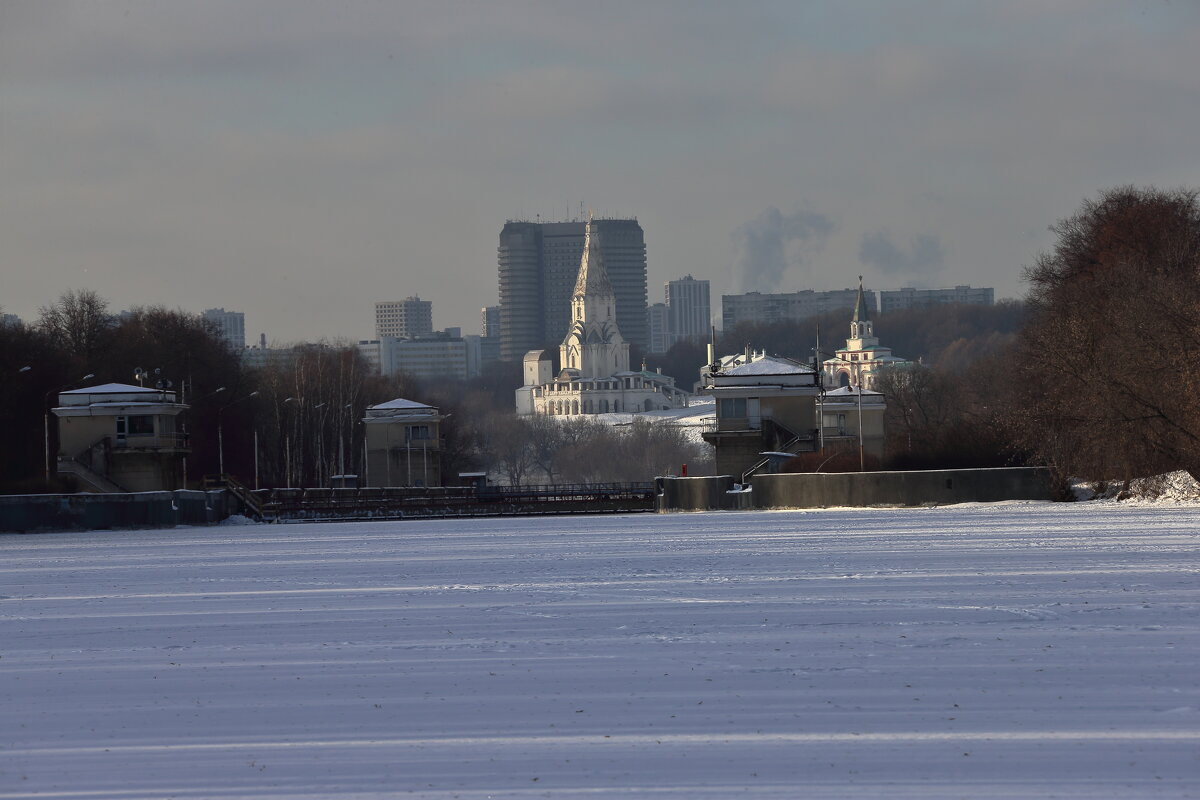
<point x="861" y="460"/>
<point x="320" y="446"/>
<point x="46" y="418"/>
<point x="287" y="446"/>
<point x="342" y="443"/>
<point x="213" y="393"/>
<point x="220" y="435"/>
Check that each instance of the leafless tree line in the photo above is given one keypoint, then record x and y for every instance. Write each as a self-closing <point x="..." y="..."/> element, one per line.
<point x="582" y="449"/>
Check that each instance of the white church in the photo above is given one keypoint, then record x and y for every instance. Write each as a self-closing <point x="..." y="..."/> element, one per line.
<point x="594" y="377"/>
<point x="861" y="361"/>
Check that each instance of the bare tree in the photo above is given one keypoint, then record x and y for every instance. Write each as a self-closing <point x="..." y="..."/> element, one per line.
<point x="1109" y="369"/>
<point x="508" y="444"/>
<point x="78" y="322"/>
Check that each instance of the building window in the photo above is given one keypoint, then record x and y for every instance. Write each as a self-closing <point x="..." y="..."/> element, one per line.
<point x="141" y="426"/>
<point x="731" y="407"/>
<point x="417" y="432"/>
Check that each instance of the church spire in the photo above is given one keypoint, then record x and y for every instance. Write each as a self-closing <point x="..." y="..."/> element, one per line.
<point x="861" y="329"/>
<point x="861" y="314"/>
<point x="593" y="278"/>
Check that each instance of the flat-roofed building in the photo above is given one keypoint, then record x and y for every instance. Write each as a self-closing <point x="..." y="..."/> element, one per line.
<point x="900" y="299"/>
<point x="689" y="309"/>
<point x="121" y="438"/>
<point x="785" y="307"/>
<point x="403" y="319"/>
<point x="404" y="444"/>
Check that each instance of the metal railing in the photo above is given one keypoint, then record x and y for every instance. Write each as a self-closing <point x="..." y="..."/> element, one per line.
<point x="157" y="441"/>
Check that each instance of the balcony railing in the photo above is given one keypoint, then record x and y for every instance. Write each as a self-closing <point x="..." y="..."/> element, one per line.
<point x="158" y="441"/>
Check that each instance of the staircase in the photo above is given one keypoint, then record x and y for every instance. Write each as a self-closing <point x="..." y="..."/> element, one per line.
<point x="780" y="431"/>
<point x="251" y="504"/>
<point x="88" y="476"/>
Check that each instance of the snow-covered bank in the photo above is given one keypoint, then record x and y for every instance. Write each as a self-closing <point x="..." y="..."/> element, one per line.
<point x="1020" y="650"/>
<point x="1171" y="487"/>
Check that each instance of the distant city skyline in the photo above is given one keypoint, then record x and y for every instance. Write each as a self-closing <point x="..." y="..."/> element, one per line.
<point x="299" y="162"/>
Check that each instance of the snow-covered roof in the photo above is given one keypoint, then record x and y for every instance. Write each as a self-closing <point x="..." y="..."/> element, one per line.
<point x="770" y="365"/>
<point x="113" y="388"/>
<point x="850" y="391"/>
<point x="400" y="403"/>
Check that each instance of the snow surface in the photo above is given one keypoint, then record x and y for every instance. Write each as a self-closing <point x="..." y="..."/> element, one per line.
<point x="1014" y="650"/>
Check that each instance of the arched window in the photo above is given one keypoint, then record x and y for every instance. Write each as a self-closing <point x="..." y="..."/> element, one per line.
<point x="843" y="378"/>
<point x="574" y="406"/>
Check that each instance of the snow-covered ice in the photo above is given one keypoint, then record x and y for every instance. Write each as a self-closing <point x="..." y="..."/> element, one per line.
<point x="986" y="651"/>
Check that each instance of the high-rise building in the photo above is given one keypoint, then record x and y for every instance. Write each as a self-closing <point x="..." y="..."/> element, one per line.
<point x="230" y="324"/>
<point x="404" y="319"/>
<point x="755" y="307"/>
<point x="538" y="265"/>
<point x="689" y="312"/>
<point x="489" y="322"/>
<point x="898" y="299"/>
<point x="657" y="322"/>
<point x="594" y="377"/>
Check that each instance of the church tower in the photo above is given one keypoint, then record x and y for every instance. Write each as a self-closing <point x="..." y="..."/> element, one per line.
<point x="859" y="363"/>
<point x="862" y="333"/>
<point x="593" y="347"/>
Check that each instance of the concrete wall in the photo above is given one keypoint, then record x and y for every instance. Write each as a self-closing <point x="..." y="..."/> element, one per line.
<point x="60" y="512"/>
<point x="709" y="493"/>
<point x="928" y="487"/>
<point x="820" y="490"/>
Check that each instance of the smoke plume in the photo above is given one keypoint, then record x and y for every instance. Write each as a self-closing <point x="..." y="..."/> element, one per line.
<point x="764" y="244"/>
<point x="924" y="255"/>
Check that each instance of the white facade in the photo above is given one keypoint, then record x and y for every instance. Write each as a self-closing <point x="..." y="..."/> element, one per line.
<point x="401" y="319"/>
<point x="860" y="362"/>
<point x="594" y="377"/>
<point x="230" y="324"/>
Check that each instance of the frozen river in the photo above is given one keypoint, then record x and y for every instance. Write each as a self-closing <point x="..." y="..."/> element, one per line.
<point x="1006" y="651"/>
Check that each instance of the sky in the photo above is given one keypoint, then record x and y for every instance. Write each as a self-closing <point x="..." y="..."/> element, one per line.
<point x="299" y="161"/>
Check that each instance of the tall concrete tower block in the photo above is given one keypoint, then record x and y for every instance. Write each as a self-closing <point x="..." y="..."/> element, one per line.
<point x="538" y="267"/>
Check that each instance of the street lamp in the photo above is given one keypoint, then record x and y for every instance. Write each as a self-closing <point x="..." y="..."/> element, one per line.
<point x="163" y="387"/>
<point x="287" y="446"/>
<point x="220" y="436"/>
<point x="46" y="417"/>
<point x="24" y="369"/>
<point x="342" y="446"/>
<point x="320" y="447"/>
<point x="861" y="460"/>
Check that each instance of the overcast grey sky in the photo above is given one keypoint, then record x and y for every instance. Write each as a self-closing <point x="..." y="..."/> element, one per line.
<point x="299" y="161"/>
